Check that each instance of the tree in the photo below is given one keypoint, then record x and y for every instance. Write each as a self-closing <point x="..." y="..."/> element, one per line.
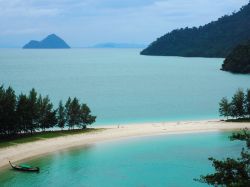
<point x="7" y="111"/>
<point x="61" y="115"/>
<point x="22" y="111"/>
<point x="238" y="104"/>
<point x="51" y="119"/>
<point x="47" y="116"/>
<point x="74" y="113"/>
<point x="2" y="123"/>
<point x="28" y="113"/>
<point x="231" y="172"/>
<point x="67" y="110"/>
<point x="225" y="108"/>
<point x="33" y="111"/>
<point x="86" y="117"/>
<point x="10" y="111"/>
<point x="247" y="103"/>
<point x="238" y="61"/>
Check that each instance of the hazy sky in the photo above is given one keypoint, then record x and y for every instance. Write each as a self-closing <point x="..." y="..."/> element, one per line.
<point x="87" y="22"/>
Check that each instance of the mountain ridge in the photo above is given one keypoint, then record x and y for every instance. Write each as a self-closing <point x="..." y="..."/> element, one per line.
<point x="215" y="39"/>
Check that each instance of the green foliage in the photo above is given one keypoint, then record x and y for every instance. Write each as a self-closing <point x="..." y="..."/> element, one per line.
<point x="247" y="103"/>
<point x="238" y="61"/>
<point x="33" y="115"/>
<point x="47" y="116"/>
<point x="231" y="172"/>
<point x="239" y="106"/>
<point x="29" y="113"/>
<point x="86" y="118"/>
<point x="239" y="120"/>
<point x="216" y="39"/>
<point x="242" y="136"/>
<point x="67" y="109"/>
<point x="224" y="107"/>
<point x="22" y="113"/>
<point x="61" y="115"/>
<point x="74" y="113"/>
<point x="78" y="115"/>
<point x="7" y="111"/>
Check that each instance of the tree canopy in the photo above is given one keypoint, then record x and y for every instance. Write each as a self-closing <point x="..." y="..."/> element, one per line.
<point x="238" y="61"/>
<point x="239" y="107"/>
<point x="231" y="172"/>
<point x="32" y="112"/>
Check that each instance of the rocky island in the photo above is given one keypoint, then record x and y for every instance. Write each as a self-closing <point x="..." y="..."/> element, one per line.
<point x="52" y="41"/>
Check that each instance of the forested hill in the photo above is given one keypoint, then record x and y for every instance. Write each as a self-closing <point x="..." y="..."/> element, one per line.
<point x="216" y="39"/>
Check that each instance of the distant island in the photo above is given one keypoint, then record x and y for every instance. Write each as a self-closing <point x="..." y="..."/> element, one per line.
<point x="216" y="39"/>
<point x="238" y="61"/>
<point x="118" y="45"/>
<point x="52" y="41"/>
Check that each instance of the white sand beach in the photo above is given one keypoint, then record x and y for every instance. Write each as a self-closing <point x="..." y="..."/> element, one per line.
<point x="110" y="133"/>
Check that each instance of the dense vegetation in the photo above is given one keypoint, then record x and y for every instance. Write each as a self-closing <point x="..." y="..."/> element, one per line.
<point x="232" y="172"/>
<point x="238" y="61"/>
<point x="216" y="39"/>
<point x="30" y="113"/>
<point x="238" y="108"/>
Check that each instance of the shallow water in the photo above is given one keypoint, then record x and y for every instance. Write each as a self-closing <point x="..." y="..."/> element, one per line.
<point x="167" y="160"/>
<point x="121" y="86"/>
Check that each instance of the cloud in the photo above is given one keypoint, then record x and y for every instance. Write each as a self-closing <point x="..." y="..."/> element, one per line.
<point x="20" y="8"/>
<point x="84" y="22"/>
<point x="123" y="4"/>
<point x="21" y="31"/>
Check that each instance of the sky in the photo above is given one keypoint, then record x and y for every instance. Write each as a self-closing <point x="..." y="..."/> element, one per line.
<point x="83" y="23"/>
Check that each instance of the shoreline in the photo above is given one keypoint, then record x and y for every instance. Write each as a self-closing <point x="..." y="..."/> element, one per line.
<point x="111" y="133"/>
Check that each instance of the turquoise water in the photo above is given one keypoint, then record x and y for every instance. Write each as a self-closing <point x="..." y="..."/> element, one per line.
<point x="173" y="160"/>
<point x="121" y="86"/>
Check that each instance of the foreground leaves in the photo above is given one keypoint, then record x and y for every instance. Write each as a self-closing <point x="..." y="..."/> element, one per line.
<point x="231" y="172"/>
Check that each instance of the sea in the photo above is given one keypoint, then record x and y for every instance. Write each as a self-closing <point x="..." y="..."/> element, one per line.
<point x="159" y="161"/>
<point x="122" y="87"/>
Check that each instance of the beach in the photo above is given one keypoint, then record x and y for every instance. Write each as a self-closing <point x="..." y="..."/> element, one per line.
<point x="111" y="133"/>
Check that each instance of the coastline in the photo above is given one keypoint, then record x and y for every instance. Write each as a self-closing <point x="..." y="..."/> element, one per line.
<point x="110" y="133"/>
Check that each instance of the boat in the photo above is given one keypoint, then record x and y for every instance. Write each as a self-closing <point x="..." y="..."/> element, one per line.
<point x="24" y="167"/>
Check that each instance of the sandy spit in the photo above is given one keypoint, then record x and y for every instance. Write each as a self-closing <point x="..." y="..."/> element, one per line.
<point x="113" y="132"/>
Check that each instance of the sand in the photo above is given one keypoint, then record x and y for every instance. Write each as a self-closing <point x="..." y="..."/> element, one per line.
<point x="110" y="133"/>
